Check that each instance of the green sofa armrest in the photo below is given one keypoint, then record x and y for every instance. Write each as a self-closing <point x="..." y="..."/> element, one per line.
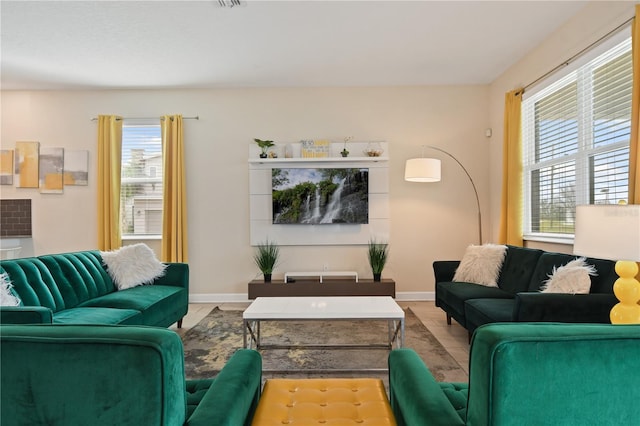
<point x="233" y="397"/>
<point x="415" y="395"/>
<point x="25" y="315"/>
<point x="176" y="274"/>
<point x="556" y="307"/>
<point x="444" y="270"/>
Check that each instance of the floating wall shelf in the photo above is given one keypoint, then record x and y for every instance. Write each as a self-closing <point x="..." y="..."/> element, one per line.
<point x="279" y="161"/>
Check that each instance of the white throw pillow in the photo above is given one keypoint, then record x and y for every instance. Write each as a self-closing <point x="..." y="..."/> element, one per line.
<point x="7" y="298"/>
<point x="572" y="278"/>
<point x="481" y="264"/>
<point x="133" y="265"/>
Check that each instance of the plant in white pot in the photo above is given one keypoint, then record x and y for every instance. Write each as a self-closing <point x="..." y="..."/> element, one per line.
<point x="378" y="253"/>
<point x="266" y="258"/>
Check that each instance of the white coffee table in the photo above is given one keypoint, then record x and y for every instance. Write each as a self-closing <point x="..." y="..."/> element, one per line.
<point x="323" y="309"/>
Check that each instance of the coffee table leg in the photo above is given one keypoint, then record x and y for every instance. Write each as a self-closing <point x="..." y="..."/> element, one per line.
<point x="396" y="333"/>
<point x="244" y="334"/>
<point x="258" y="334"/>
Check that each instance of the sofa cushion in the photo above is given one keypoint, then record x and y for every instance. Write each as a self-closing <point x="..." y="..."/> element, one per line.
<point x="74" y="277"/>
<point x="196" y="390"/>
<point x="603" y="281"/>
<point x="572" y="278"/>
<point x="7" y="296"/>
<point x="484" y="311"/>
<point x="481" y="264"/>
<point x="33" y="283"/>
<point x="153" y="302"/>
<point x="454" y="294"/>
<point x="600" y="283"/>
<point x="97" y="316"/>
<point x="544" y="268"/>
<point x="457" y="394"/>
<point x="133" y="265"/>
<point x="518" y="265"/>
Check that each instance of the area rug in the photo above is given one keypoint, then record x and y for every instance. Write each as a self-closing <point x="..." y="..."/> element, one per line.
<point x="210" y="343"/>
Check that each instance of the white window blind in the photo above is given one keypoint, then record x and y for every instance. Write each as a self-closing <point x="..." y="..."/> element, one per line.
<point x="576" y="142"/>
<point x="141" y="180"/>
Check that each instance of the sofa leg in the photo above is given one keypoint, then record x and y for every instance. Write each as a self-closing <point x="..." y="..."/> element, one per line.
<point x="180" y="323"/>
<point x="448" y="319"/>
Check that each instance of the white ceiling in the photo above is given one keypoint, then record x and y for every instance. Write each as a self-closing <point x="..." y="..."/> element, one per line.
<point x="199" y="44"/>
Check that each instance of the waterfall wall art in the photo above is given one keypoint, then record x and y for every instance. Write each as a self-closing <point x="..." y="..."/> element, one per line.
<point x="318" y="196"/>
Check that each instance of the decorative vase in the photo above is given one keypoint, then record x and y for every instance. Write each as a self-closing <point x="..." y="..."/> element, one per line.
<point x="377" y="277"/>
<point x="263" y="155"/>
<point x="344" y="153"/>
<point x="267" y="278"/>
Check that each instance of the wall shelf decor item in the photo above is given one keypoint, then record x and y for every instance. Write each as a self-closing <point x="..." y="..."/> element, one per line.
<point x="76" y="167"/>
<point x="293" y="153"/>
<point x="51" y="167"/>
<point x="6" y="167"/>
<point x="315" y="148"/>
<point x="27" y="164"/>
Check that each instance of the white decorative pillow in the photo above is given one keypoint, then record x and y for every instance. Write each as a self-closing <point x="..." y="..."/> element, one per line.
<point x="7" y="298"/>
<point x="133" y="265"/>
<point x="481" y="264"/>
<point x="572" y="278"/>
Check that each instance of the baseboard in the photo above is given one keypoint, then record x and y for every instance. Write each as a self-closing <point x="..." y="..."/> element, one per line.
<point x="405" y="296"/>
<point x="415" y="296"/>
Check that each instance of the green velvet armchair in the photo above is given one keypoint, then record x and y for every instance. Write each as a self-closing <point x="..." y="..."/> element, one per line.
<point x="527" y="374"/>
<point x="117" y="375"/>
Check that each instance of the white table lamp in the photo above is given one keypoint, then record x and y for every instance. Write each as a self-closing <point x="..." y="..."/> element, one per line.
<point x="613" y="232"/>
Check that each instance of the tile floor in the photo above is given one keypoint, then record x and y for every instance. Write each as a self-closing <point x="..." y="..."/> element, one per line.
<point x="453" y="337"/>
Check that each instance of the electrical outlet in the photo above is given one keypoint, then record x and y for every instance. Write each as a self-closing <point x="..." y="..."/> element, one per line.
<point x="325" y="267"/>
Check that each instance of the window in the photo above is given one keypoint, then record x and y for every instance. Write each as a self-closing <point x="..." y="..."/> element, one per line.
<point x="576" y="135"/>
<point x="141" y="180"/>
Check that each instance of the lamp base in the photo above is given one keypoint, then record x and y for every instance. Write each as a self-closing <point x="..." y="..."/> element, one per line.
<point x="627" y="290"/>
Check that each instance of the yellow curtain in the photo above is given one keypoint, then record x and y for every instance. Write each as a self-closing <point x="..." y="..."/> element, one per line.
<point x="109" y="161"/>
<point x="510" y="231"/>
<point x="174" y="219"/>
<point x="634" y="146"/>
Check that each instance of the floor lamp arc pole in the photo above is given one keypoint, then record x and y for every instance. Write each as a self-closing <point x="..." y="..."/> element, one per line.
<point x="475" y="190"/>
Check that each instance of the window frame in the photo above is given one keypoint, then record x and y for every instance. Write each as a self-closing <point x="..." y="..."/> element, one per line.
<point x="580" y="72"/>
<point x="141" y="180"/>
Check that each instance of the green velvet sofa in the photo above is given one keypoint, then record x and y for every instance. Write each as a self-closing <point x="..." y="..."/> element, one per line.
<point x="68" y="375"/>
<point x="75" y="288"/>
<point x="518" y="297"/>
<point x="527" y="374"/>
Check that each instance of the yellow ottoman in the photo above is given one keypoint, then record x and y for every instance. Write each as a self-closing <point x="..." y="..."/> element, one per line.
<point x="309" y="402"/>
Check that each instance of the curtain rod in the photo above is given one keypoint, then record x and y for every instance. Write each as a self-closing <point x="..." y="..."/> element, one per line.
<point x="577" y="55"/>
<point x="197" y="117"/>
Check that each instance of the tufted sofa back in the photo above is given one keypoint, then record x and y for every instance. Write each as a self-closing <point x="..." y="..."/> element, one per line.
<point x="58" y="281"/>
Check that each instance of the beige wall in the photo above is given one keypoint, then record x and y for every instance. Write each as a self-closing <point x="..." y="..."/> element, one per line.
<point x="428" y="221"/>
<point x="594" y="20"/>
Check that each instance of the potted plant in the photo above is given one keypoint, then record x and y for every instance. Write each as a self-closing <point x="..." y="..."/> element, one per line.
<point x="264" y="146"/>
<point x="266" y="258"/>
<point x="378" y="253"/>
<point x="345" y="152"/>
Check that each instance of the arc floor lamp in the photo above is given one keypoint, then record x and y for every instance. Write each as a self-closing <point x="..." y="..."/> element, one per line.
<point x="429" y="170"/>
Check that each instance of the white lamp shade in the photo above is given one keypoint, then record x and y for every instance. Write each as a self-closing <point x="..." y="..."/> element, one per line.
<point x="422" y="170"/>
<point x="608" y="231"/>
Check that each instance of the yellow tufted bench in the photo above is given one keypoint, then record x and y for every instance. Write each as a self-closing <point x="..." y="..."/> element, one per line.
<point x="308" y="402"/>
